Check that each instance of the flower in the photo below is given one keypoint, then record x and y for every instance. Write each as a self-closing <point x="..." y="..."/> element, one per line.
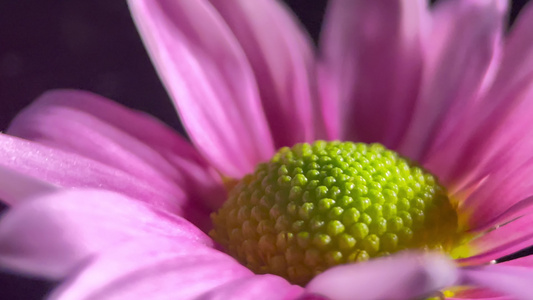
<point x="105" y="198"/>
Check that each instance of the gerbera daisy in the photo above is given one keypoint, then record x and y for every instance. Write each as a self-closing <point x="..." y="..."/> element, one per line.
<point x="432" y="108"/>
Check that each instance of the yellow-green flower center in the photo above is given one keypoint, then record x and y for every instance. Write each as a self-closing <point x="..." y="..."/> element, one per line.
<point x="315" y="206"/>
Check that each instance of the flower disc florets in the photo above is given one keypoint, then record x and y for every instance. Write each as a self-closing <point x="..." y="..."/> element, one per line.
<point x="315" y="206"/>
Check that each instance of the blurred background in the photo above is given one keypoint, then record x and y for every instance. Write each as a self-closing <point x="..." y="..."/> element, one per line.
<point x="91" y="45"/>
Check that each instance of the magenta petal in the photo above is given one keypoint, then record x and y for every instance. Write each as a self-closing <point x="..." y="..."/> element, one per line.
<point x="372" y="63"/>
<point x="466" y="35"/>
<point x="499" y="193"/>
<point x="155" y="269"/>
<point x="208" y="76"/>
<point x="500" y="143"/>
<point x="400" y="277"/>
<point x="485" y="293"/>
<point x="255" y="287"/>
<point x="70" y="170"/>
<point x="50" y="235"/>
<point x="520" y="209"/>
<point x="16" y="187"/>
<point x="478" y="294"/>
<point x="508" y="280"/>
<point x="130" y="141"/>
<point x="516" y="66"/>
<point x="496" y="194"/>
<point x="502" y="241"/>
<point x="501" y="138"/>
<point x="282" y="59"/>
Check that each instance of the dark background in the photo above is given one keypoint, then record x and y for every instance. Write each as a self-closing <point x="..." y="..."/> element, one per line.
<point x="91" y="45"/>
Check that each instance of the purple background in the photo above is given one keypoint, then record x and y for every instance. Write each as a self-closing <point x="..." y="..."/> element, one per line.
<point x="90" y="45"/>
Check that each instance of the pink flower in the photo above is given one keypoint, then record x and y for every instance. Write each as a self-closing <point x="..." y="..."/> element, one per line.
<point x="113" y="203"/>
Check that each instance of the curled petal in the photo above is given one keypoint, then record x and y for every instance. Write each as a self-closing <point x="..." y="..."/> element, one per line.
<point x="209" y="78"/>
<point x="403" y="276"/>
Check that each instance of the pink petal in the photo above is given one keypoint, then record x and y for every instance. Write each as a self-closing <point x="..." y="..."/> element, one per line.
<point x="508" y="280"/>
<point x="478" y="293"/>
<point x="166" y="269"/>
<point x="403" y="276"/>
<point x="497" y="193"/>
<point x="482" y="296"/>
<point x="255" y="287"/>
<point x="282" y="59"/>
<point x="50" y="235"/>
<point x="70" y="170"/>
<point x="520" y="209"/>
<point x="516" y="67"/>
<point x="501" y="136"/>
<point x="504" y="240"/>
<point x="484" y="293"/>
<point x="130" y="141"/>
<point x="209" y="78"/>
<point x="16" y="187"/>
<point x="371" y="64"/>
<point x="460" y="53"/>
<point x="501" y="142"/>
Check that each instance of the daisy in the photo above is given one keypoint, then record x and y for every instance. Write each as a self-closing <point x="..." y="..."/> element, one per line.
<point x="358" y="174"/>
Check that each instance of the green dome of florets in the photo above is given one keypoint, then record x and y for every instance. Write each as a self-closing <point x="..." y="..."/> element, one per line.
<point x="315" y="206"/>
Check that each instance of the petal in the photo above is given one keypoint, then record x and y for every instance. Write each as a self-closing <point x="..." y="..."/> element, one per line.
<point x="16" y="187"/>
<point x="501" y="140"/>
<point x="282" y="59"/>
<point x="500" y="242"/>
<point x="523" y="208"/>
<point x="255" y="287"/>
<point x="52" y="234"/>
<point x="130" y="141"/>
<point x="508" y="280"/>
<point x="70" y="170"/>
<point x="516" y="67"/>
<point x="403" y="276"/>
<point x="460" y="53"/>
<point x="157" y="269"/>
<point x="495" y="195"/>
<point x="371" y="64"/>
<point x="479" y="293"/>
<point x="484" y="293"/>
<point x="501" y="120"/>
<point x="209" y="78"/>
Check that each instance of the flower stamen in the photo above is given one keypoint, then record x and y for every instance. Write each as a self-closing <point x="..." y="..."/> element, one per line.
<point x="315" y="206"/>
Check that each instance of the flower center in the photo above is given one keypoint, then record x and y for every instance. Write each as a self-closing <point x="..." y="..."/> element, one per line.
<point x="315" y="206"/>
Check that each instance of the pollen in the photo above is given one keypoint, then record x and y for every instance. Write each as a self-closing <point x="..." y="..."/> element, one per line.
<point x="314" y="206"/>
